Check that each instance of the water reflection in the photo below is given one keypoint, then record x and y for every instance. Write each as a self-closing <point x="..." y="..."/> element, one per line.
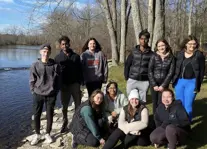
<point x="18" y="56"/>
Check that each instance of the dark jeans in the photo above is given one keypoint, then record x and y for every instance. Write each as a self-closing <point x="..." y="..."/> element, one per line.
<point x="66" y="92"/>
<point x="127" y="140"/>
<point x="171" y="135"/>
<point x="38" y="103"/>
<point x="156" y="99"/>
<point x="92" y="86"/>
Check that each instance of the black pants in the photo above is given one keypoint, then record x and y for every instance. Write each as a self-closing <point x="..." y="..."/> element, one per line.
<point x="127" y="140"/>
<point x="171" y="135"/>
<point x="90" y="140"/>
<point x="92" y="86"/>
<point x="156" y="99"/>
<point x="38" y="103"/>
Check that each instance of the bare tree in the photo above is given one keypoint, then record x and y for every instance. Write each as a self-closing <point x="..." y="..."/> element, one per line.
<point x="136" y="18"/>
<point x="159" y="27"/>
<point x="151" y="16"/>
<point x="190" y="18"/>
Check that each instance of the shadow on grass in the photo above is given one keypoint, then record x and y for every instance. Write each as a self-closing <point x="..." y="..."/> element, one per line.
<point x="198" y="137"/>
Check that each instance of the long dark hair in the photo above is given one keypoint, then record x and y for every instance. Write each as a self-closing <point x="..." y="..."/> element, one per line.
<point x="98" y="108"/>
<point x="109" y="84"/>
<point x="85" y="47"/>
<point x="130" y="109"/>
<point x="187" y="39"/>
<point x="168" y="48"/>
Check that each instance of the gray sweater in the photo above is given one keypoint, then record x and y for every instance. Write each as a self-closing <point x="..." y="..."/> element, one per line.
<point x="94" y="66"/>
<point x="45" y="78"/>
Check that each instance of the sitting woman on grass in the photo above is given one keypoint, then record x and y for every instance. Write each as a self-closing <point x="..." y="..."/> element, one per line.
<point x="88" y="122"/>
<point x="172" y="122"/>
<point x="114" y="100"/>
<point x="132" y="125"/>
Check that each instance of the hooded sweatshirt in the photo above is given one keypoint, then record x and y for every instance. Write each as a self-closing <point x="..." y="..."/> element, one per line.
<point x="94" y="66"/>
<point x="45" y="78"/>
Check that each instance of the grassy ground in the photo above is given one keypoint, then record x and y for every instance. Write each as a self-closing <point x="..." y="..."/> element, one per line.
<point x="198" y="140"/>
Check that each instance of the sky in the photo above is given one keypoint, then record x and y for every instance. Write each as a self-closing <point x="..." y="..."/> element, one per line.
<point x="18" y="13"/>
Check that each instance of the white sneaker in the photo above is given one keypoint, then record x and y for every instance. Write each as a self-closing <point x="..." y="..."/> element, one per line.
<point x="36" y="139"/>
<point x="48" y="139"/>
<point x="156" y="145"/>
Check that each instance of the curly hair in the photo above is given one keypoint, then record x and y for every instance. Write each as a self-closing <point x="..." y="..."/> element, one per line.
<point x="85" y="47"/>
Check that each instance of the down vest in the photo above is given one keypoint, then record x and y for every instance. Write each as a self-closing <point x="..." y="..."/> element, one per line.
<point x="160" y="72"/>
<point x="136" y="65"/>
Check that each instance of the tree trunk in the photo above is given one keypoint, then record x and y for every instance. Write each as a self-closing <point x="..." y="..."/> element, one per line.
<point x="190" y="18"/>
<point x="111" y="32"/>
<point x="151" y="16"/>
<point x="136" y="19"/>
<point x="123" y="31"/>
<point x="159" y="28"/>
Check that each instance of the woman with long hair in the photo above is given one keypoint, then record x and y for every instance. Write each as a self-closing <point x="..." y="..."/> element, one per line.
<point x="160" y="71"/>
<point x="94" y="65"/>
<point x="88" y="122"/>
<point x="172" y="122"/>
<point x="189" y="73"/>
<point x="114" y="100"/>
<point x="132" y="125"/>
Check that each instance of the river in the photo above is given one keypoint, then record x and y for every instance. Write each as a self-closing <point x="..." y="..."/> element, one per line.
<point x="15" y="97"/>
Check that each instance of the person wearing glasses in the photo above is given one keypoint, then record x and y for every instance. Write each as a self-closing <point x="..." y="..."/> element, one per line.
<point x="189" y="73"/>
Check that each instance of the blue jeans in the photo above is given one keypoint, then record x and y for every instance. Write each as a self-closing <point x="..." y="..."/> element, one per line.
<point x="184" y="91"/>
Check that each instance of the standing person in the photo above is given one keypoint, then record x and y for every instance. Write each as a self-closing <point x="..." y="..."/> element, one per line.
<point x="189" y="73"/>
<point x="87" y="126"/>
<point x="132" y="125"/>
<point x="114" y="101"/>
<point x="44" y="85"/>
<point x="172" y="122"/>
<point x="136" y="66"/>
<point x="94" y="65"/>
<point x="160" y="71"/>
<point x="71" y="77"/>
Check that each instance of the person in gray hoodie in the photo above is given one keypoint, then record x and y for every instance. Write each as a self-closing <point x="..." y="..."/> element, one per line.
<point x="114" y="101"/>
<point x="94" y="65"/>
<point x="44" y="84"/>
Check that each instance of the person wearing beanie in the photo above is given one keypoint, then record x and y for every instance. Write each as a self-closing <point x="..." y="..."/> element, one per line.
<point x="132" y="124"/>
<point x="44" y="84"/>
<point x="136" y="66"/>
<point x="172" y="122"/>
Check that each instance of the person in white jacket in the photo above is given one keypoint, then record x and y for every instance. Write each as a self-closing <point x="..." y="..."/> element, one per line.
<point x="114" y="101"/>
<point x="132" y="125"/>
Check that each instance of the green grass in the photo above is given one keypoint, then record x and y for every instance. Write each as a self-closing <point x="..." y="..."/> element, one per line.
<point x="198" y="139"/>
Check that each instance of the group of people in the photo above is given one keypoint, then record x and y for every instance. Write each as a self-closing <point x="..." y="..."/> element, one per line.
<point x="110" y="116"/>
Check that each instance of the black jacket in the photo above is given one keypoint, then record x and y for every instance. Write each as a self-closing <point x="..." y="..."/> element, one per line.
<point x="70" y="67"/>
<point x="198" y="64"/>
<point x="175" y="114"/>
<point x="161" y="72"/>
<point x="136" y="65"/>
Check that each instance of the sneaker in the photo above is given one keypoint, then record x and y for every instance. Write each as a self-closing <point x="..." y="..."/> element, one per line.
<point x="156" y="145"/>
<point x="48" y="139"/>
<point x="64" y="127"/>
<point x="36" y="139"/>
<point x="73" y="143"/>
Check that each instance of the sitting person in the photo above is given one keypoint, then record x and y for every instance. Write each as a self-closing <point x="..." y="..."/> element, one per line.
<point x="132" y="125"/>
<point x="172" y="122"/>
<point x="115" y="100"/>
<point x="88" y="121"/>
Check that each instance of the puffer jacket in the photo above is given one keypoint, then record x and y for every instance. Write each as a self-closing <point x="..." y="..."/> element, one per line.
<point x="160" y="72"/>
<point x="136" y="65"/>
<point x="198" y="64"/>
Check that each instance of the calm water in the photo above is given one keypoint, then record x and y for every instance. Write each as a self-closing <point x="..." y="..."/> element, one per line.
<point x="15" y="97"/>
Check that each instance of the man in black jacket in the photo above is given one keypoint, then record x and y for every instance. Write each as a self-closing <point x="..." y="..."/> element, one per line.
<point x="136" y="66"/>
<point x="71" y="77"/>
<point x="172" y="122"/>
